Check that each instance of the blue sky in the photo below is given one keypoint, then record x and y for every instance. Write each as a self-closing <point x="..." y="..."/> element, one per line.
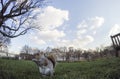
<point x="81" y="23"/>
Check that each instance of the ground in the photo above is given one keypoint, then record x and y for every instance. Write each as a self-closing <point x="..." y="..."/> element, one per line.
<point x="107" y="68"/>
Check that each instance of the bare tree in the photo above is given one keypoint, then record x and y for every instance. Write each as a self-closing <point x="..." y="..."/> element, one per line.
<point x="35" y="50"/>
<point x="86" y="55"/>
<point x="48" y="49"/>
<point x="62" y="51"/>
<point x="14" y="14"/>
<point x="4" y="43"/>
<point x="26" y="49"/>
<point x="78" y="53"/>
<point x="4" y="40"/>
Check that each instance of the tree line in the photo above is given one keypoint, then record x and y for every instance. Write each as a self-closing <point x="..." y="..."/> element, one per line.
<point x="70" y="54"/>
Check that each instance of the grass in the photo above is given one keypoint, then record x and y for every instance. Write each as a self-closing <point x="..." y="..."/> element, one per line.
<point x="99" y="69"/>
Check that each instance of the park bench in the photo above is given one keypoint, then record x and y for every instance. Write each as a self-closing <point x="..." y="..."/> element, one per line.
<point x="116" y="43"/>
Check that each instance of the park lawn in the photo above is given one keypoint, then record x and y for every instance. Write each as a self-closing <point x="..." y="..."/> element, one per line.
<point x="98" y="69"/>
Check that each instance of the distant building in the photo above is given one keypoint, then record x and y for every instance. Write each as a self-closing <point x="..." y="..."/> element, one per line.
<point x="25" y="56"/>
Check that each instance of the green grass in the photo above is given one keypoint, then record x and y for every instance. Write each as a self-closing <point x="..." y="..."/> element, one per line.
<point x="99" y="69"/>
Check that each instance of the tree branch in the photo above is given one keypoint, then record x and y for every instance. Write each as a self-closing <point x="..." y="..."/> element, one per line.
<point x="13" y="36"/>
<point x="11" y="11"/>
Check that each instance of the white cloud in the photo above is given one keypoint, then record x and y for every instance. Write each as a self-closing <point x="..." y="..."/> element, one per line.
<point x="81" y="31"/>
<point x="96" y="22"/>
<point x="51" y="34"/>
<point x="86" y="29"/>
<point x="89" y="38"/>
<point x="94" y="32"/>
<point x="114" y="30"/>
<point x="37" y="40"/>
<point x="76" y="43"/>
<point x="92" y="23"/>
<point x="50" y="17"/>
<point x="82" y="42"/>
<point x="83" y="24"/>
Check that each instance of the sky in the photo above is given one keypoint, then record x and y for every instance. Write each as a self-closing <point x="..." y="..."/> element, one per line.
<point x="84" y="24"/>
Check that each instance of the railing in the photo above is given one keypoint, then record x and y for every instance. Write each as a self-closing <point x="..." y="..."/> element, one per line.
<point x="116" y="43"/>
